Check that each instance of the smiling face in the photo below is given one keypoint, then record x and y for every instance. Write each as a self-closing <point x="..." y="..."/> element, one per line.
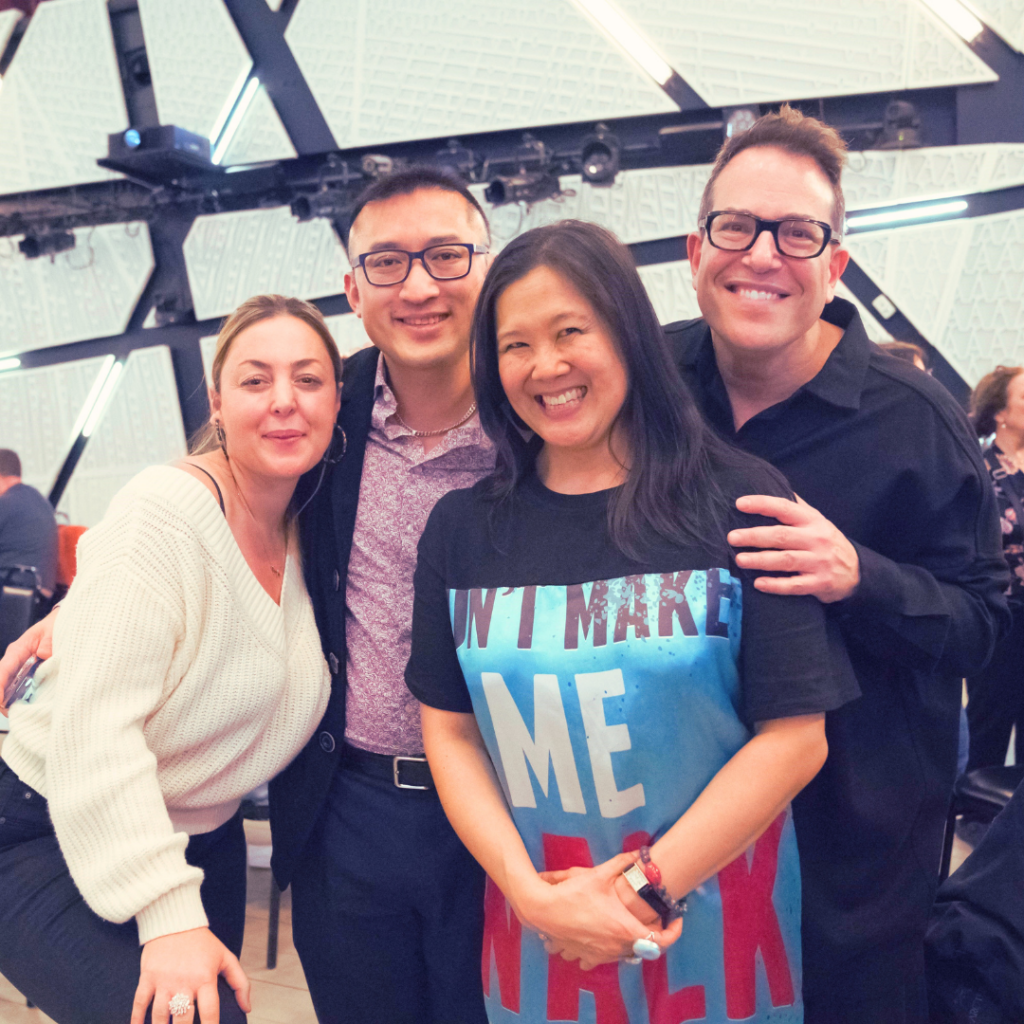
<point x="560" y="367"/>
<point x="759" y="300"/>
<point x="278" y="398"/>
<point x="421" y="323"/>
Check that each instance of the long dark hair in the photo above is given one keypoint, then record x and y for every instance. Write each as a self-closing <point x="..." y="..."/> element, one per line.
<point x="672" y="490"/>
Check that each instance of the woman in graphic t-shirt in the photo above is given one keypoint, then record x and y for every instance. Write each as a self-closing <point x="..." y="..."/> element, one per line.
<point x="615" y="717"/>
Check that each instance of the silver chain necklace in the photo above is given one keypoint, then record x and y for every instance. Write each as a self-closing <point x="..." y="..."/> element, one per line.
<point x="434" y="433"/>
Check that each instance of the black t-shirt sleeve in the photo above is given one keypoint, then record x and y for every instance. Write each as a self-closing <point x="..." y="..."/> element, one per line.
<point x="793" y="660"/>
<point x="433" y="673"/>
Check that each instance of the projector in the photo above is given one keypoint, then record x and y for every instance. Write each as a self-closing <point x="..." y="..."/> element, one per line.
<point x="158" y="154"/>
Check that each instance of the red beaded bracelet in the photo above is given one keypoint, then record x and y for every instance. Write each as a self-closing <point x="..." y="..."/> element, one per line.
<point x="653" y="874"/>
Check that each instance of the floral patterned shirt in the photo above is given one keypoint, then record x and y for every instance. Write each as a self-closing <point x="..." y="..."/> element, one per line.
<point x="1008" y="481"/>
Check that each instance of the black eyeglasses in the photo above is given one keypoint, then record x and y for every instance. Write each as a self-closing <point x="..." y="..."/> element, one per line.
<point x="797" y="238"/>
<point x="446" y="262"/>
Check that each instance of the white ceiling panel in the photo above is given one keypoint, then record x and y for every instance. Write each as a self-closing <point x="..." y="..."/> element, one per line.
<point x="260" y="135"/>
<point x="639" y="206"/>
<point x="395" y="70"/>
<point x="1004" y="16"/>
<point x="959" y="282"/>
<point x="88" y="292"/>
<point x="747" y="51"/>
<point x="878" y="177"/>
<point x="875" y="331"/>
<point x="141" y="426"/>
<point x="348" y="332"/>
<point x="60" y="99"/>
<point x="232" y="256"/>
<point x="40" y="406"/>
<point x="670" y="287"/>
<point x="197" y="59"/>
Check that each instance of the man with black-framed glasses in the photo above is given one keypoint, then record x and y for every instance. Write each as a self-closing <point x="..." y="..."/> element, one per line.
<point x="894" y="529"/>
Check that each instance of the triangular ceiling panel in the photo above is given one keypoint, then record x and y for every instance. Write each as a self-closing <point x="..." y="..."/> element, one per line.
<point x="1005" y="17"/>
<point x="197" y="60"/>
<point x="747" y="51"/>
<point x="396" y="70"/>
<point x="60" y="99"/>
<point x="260" y="136"/>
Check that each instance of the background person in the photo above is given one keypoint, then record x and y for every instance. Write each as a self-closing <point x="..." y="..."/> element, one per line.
<point x="28" y="530"/>
<point x="187" y="670"/>
<point x="907" y="351"/>
<point x="995" y="696"/>
<point x="582" y="604"/>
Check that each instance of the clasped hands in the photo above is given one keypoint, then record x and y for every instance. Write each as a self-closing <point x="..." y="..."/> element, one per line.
<point x="593" y="915"/>
<point x="822" y="561"/>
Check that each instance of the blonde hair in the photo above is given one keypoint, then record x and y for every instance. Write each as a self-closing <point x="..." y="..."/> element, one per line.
<point x="252" y="311"/>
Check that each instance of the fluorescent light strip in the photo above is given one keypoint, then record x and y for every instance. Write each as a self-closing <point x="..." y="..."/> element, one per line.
<point x="232" y="102"/>
<point x="235" y="120"/>
<point x="9" y="364"/>
<point x="957" y="17"/>
<point x="94" y="392"/>
<point x="625" y="34"/>
<point x="101" y="403"/>
<point x="934" y="211"/>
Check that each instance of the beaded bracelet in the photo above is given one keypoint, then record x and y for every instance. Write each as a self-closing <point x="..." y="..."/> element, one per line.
<point x="653" y="874"/>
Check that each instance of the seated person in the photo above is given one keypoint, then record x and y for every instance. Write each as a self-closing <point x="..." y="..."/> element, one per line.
<point x="28" y="530"/>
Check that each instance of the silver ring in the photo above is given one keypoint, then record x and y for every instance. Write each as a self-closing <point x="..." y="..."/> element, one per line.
<point x="543" y="937"/>
<point x="180" y="1004"/>
<point x="647" y="948"/>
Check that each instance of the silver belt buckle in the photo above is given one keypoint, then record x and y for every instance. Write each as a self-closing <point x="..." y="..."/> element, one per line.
<point x="394" y="762"/>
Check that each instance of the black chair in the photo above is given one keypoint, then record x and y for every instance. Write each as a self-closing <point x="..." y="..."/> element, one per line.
<point x="20" y="599"/>
<point x="982" y="793"/>
<point x="260" y="811"/>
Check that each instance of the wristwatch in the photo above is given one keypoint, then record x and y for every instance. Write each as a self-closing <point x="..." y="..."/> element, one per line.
<point x="642" y="887"/>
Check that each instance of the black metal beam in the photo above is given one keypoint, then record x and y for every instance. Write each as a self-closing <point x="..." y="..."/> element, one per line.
<point x="994" y="111"/>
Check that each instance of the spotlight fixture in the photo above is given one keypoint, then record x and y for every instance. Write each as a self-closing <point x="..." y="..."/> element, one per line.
<point x="739" y="119"/>
<point x="46" y="244"/>
<point x="456" y="160"/>
<point x="600" y="157"/>
<point x="902" y="129"/>
<point x="525" y="187"/>
<point x="377" y="165"/>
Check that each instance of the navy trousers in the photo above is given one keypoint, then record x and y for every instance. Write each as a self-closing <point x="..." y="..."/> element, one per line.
<point x="68" y="961"/>
<point x="387" y="910"/>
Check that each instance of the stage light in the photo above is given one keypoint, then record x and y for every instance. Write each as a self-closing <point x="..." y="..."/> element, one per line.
<point x="237" y="115"/>
<point x="11" y="363"/>
<point x="625" y="34"/>
<point x="958" y="18"/>
<point x="132" y="138"/>
<point x="739" y="119"/>
<point x="600" y="157"/>
<point x="47" y="243"/>
<point x="933" y="211"/>
<point x="902" y="127"/>
<point x="525" y="187"/>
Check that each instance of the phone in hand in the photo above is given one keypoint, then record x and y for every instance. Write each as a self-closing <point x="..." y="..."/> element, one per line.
<point x="23" y="685"/>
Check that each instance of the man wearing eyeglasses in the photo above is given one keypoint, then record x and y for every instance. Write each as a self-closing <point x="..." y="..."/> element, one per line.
<point x="894" y="529"/>
<point x="387" y="904"/>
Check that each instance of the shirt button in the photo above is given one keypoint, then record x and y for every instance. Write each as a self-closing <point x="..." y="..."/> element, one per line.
<point x="326" y="742"/>
<point x="337" y="580"/>
<point x="332" y="660"/>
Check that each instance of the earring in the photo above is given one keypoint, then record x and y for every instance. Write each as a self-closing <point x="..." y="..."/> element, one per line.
<point x="221" y="439"/>
<point x="332" y="458"/>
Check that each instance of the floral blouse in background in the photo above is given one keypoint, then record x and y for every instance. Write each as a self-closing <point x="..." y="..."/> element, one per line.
<point x="1008" y="481"/>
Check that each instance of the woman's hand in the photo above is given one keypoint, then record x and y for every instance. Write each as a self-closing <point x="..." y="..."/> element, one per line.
<point x="187" y="963"/>
<point x="584" y="917"/>
<point x="36" y="640"/>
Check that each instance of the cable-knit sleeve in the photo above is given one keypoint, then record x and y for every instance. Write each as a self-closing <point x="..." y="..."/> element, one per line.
<point x="119" y="642"/>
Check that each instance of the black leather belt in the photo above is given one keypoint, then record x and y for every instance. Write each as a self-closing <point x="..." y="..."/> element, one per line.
<point x="401" y="770"/>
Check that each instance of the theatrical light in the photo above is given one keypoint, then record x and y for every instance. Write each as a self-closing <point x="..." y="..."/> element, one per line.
<point x="525" y="187"/>
<point x="624" y="33"/>
<point x="132" y="138"/>
<point x="957" y="17"/>
<point x="90" y="401"/>
<point x="11" y="363"/>
<point x="104" y="396"/>
<point x="933" y="211"/>
<point x="46" y="244"/>
<point x="235" y="119"/>
<point x="739" y="119"/>
<point x="901" y="127"/>
<point x="600" y="157"/>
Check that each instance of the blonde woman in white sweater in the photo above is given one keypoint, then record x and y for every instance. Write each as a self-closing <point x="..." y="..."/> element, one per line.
<point x="186" y="670"/>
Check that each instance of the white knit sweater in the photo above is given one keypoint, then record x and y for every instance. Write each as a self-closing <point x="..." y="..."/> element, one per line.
<point x="176" y="686"/>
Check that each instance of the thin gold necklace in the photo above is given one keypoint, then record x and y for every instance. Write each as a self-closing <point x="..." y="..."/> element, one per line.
<point x="266" y="553"/>
<point x="434" y="433"/>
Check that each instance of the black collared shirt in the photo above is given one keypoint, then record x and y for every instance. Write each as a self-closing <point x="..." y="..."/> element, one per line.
<point x="887" y="455"/>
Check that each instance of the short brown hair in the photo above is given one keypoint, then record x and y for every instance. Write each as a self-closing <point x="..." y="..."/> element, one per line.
<point x="796" y="133"/>
<point x="905" y="350"/>
<point x="989" y="398"/>
<point x="252" y="311"/>
<point x="10" y="464"/>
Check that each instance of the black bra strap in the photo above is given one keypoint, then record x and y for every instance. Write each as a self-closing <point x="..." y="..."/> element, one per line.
<point x="220" y="497"/>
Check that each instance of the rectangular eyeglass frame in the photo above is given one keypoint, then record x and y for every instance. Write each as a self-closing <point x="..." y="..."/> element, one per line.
<point x="473" y="248"/>
<point x="771" y="226"/>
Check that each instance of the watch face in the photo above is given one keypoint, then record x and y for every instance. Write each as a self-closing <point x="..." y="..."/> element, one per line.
<point x="636" y="878"/>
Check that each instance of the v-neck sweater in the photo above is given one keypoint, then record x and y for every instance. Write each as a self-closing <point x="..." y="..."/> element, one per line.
<point x="176" y="686"/>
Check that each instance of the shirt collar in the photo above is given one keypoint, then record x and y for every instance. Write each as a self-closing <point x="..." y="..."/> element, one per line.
<point x="839" y="382"/>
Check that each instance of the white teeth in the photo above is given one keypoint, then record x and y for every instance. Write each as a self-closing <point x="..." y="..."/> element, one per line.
<point x="572" y="395"/>
<point x="422" y="321"/>
<point x="749" y="293"/>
